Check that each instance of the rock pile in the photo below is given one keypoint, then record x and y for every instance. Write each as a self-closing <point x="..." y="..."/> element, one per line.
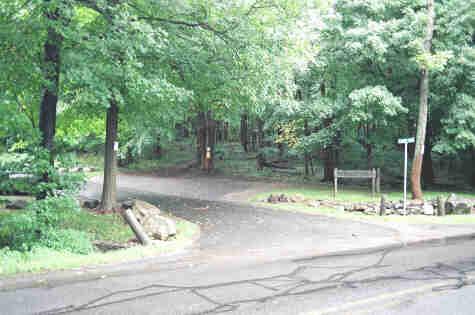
<point x="451" y="205"/>
<point x="284" y="198"/>
<point x="155" y="225"/>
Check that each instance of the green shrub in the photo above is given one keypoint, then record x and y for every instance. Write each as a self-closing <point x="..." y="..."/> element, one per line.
<point x="40" y="225"/>
<point x="66" y="240"/>
<point x="35" y="163"/>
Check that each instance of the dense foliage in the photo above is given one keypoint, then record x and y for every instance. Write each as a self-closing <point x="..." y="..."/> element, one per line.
<point x="332" y="83"/>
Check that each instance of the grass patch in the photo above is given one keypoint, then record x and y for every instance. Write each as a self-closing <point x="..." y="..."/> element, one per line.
<point x="42" y="259"/>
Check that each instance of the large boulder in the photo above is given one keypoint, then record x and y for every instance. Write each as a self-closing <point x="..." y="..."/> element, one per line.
<point x="462" y="207"/>
<point x="89" y="203"/>
<point x="450" y="204"/>
<point x="156" y="226"/>
<point x="428" y="209"/>
<point x="454" y="205"/>
<point x="16" y="204"/>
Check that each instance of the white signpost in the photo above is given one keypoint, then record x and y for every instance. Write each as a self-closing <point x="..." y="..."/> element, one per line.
<point x="405" y="142"/>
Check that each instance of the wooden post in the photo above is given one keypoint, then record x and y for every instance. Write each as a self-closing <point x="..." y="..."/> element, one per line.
<point x="136" y="227"/>
<point x="382" y="206"/>
<point x="378" y="180"/>
<point x="335" y="176"/>
<point x="440" y="206"/>
<point x="373" y="181"/>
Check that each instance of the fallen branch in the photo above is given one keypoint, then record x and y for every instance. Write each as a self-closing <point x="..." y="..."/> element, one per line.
<point x="136" y="227"/>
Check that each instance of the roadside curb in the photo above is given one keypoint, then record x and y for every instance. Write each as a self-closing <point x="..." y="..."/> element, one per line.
<point x="92" y="272"/>
<point x="394" y="246"/>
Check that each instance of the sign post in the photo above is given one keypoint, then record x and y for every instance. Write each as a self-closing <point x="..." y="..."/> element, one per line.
<point x="405" y="142"/>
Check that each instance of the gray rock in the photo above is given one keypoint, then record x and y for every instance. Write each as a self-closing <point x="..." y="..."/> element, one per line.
<point x="164" y="228"/>
<point x="428" y="209"/>
<point x="462" y="208"/>
<point x="155" y="225"/>
<point x="297" y="198"/>
<point x="314" y="203"/>
<point x="128" y="204"/>
<point x="450" y="204"/>
<point x="16" y="204"/>
<point x="89" y="203"/>
<point x="414" y="209"/>
<point x="273" y="199"/>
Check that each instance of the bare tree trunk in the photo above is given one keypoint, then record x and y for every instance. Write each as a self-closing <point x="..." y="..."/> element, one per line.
<point x="428" y="166"/>
<point x="307" y="156"/>
<point x="260" y="158"/>
<point x="200" y="137"/>
<point x="244" y="137"/>
<point x="225" y="131"/>
<point x="328" y="164"/>
<point x="423" y="109"/>
<point x="51" y="71"/>
<point x="158" y="148"/>
<point x="472" y="167"/>
<point x="206" y="141"/>
<point x="369" y="155"/>
<point x="109" y="189"/>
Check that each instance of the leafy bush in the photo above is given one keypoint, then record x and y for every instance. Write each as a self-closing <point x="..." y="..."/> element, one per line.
<point x="68" y="240"/>
<point x="34" y="165"/>
<point x="40" y="226"/>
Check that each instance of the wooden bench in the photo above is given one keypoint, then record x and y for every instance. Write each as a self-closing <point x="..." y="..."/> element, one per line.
<point x="373" y="174"/>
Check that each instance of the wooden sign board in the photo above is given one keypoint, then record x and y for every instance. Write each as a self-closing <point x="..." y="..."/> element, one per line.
<point x="374" y="174"/>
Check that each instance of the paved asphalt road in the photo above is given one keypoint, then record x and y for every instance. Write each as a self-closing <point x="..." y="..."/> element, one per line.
<point x="429" y="279"/>
<point x="258" y="261"/>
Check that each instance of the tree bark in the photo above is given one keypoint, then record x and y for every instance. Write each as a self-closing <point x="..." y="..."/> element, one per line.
<point x="423" y="109"/>
<point x="109" y="189"/>
<point x="158" y="148"/>
<point x="428" y="166"/>
<point x="307" y="156"/>
<point x="260" y="158"/>
<point x="244" y="137"/>
<point x="206" y="138"/>
<point x="200" y="137"/>
<point x="472" y="167"/>
<point x="51" y="72"/>
<point x="225" y="131"/>
<point x="328" y="165"/>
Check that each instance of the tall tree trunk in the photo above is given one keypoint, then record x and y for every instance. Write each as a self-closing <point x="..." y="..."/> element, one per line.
<point x="158" y="147"/>
<point x="280" y="145"/>
<point x="200" y="137"/>
<point x="260" y="158"/>
<point x="423" y="109"/>
<point x="428" y="166"/>
<point x="472" y="167"/>
<point x="369" y="155"/>
<point x="225" y="131"/>
<point x="51" y="71"/>
<point x="328" y="164"/>
<point x="243" y="134"/>
<point x="307" y="156"/>
<point x="109" y="189"/>
<point x="208" y="134"/>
